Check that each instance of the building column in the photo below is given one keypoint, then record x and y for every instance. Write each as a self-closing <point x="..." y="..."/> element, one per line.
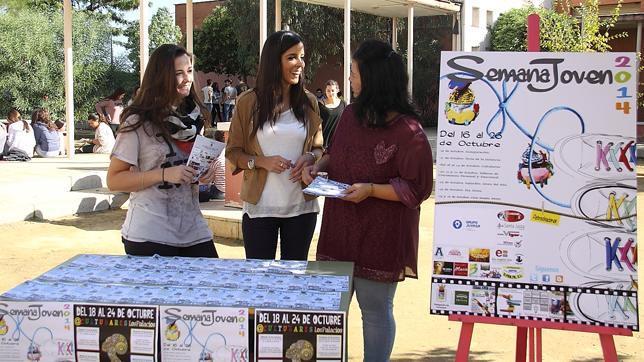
<point x="278" y="15"/>
<point x="347" y="51"/>
<point x="144" y="42"/>
<point x="263" y="21"/>
<point x="410" y="49"/>
<point x="394" y="33"/>
<point x="189" y="27"/>
<point x="69" y="77"/>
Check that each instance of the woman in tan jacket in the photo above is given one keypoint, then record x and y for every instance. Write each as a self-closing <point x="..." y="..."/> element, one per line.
<point x="276" y="132"/>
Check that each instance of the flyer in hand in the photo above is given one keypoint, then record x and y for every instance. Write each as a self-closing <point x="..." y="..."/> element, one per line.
<point x="204" y="151"/>
<point x="325" y="187"/>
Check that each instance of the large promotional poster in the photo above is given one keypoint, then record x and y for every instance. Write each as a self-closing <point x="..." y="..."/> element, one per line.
<point x="115" y="333"/>
<point x="204" y="334"/>
<point x="282" y="335"/>
<point x="36" y="331"/>
<point x="536" y="187"/>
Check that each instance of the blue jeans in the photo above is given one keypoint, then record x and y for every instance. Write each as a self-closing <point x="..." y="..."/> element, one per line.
<point x="376" y="301"/>
<point x="228" y="112"/>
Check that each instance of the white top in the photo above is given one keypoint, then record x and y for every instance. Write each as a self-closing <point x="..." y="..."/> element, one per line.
<point x="167" y="216"/>
<point x="230" y="94"/>
<point x="282" y="197"/>
<point x="18" y="138"/>
<point x="105" y="136"/>
<point x="3" y="136"/>
<point x="207" y="94"/>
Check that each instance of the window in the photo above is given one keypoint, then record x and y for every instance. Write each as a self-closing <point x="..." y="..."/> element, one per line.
<point x="475" y="17"/>
<point x="490" y="18"/>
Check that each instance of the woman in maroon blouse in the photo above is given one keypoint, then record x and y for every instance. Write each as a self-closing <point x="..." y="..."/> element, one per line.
<point x="380" y="149"/>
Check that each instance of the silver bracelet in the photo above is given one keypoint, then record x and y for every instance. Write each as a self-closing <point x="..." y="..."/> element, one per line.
<point x="315" y="158"/>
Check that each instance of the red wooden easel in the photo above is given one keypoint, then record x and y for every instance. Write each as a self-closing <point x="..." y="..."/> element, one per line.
<point x="533" y="329"/>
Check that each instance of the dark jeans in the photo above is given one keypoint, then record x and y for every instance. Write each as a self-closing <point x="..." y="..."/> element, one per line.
<point x="204" y="250"/>
<point x="260" y="236"/>
<point x="114" y="128"/>
<point x="216" y="113"/>
<point x="87" y="149"/>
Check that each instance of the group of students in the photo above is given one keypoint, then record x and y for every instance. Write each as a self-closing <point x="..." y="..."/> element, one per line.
<point x="220" y="103"/>
<point x="20" y="139"/>
<point x="276" y="139"/>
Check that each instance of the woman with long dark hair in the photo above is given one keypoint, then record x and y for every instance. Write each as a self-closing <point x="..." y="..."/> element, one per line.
<point x="149" y="160"/>
<point x="275" y="132"/>
<point x="111" y="107"/>
<point x="380" y="149"/>
<point x="330" y="110"/>
<point x="46" y="133"/>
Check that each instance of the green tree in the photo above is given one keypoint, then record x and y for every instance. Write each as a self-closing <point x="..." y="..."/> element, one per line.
<point x="227" y="41"/>
<point x="32" y="60"/>
<point x="161" y="31"/>
<point x="112" y="9"/>
<point x="559" y="31"/>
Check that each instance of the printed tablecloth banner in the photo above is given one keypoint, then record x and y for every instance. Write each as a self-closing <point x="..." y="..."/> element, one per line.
<point x="126" y="333"/>
<point x="36" y="331"/>
<point x="282" y="335"/>
<point x="204" y="334"/>
<point x="536" y="187"/>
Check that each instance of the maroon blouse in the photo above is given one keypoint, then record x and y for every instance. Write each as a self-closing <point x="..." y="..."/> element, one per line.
<point x="379" y="236"/>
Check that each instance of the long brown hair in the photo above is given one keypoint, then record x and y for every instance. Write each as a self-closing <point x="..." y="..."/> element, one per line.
<point x="13" y="117"/>
<point x="158" y="92"/>
<point x="269" y="81"/>
<point x="41" y="115"/>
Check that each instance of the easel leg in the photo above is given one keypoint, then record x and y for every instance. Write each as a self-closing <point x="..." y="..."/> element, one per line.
<point x="608" y="347"/>
<point x="522" y="336"/>
<point x="463" y="351"/>
<point x="531" y="344"/>
<point x="539" y="347"/>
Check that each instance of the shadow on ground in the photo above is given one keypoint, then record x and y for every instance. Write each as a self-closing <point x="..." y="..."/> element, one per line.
<point x="620" y="357"/>
<point x="94" y="221"/>
<point x="442" y="355"/>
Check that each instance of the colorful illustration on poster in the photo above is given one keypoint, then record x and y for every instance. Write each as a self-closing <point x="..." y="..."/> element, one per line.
<point x="461" y="108"/>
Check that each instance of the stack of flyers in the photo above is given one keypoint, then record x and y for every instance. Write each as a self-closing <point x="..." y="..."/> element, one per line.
<point x="204" y="152"/>
<point x="325" y="187"/>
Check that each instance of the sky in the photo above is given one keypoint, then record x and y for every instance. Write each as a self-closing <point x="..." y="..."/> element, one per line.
<point x="155" y="5"/>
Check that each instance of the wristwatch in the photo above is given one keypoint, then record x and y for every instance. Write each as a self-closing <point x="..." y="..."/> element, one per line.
<point x="251" y="163"/>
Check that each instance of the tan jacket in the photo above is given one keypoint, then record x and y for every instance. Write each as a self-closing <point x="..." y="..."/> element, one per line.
<point x="240" y="142"/>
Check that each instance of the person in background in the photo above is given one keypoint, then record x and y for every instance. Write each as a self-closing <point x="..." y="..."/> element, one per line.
<point x="149" y="161"/>
<point x="103" y="141"/>
<point x="330" y="110"/>
<point x="274" y="133"/>
<point x="135" y="91"/>
<point x="216" y="104"/>
<point x="381" y="150"/>
<point x="46" y="134"/>
<point x="208" y="95"/>
<point x="3" y="137"/>
<point x="230" y="95"/>
<point x="319" y="95"/>
<point x="111" y="108"/>
<point x="20" y="135"/>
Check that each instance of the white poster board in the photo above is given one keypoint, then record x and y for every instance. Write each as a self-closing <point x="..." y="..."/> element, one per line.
<point x="536" y="187"/>
<point x="204" y="334"/>
<point x="36" y="331"/>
